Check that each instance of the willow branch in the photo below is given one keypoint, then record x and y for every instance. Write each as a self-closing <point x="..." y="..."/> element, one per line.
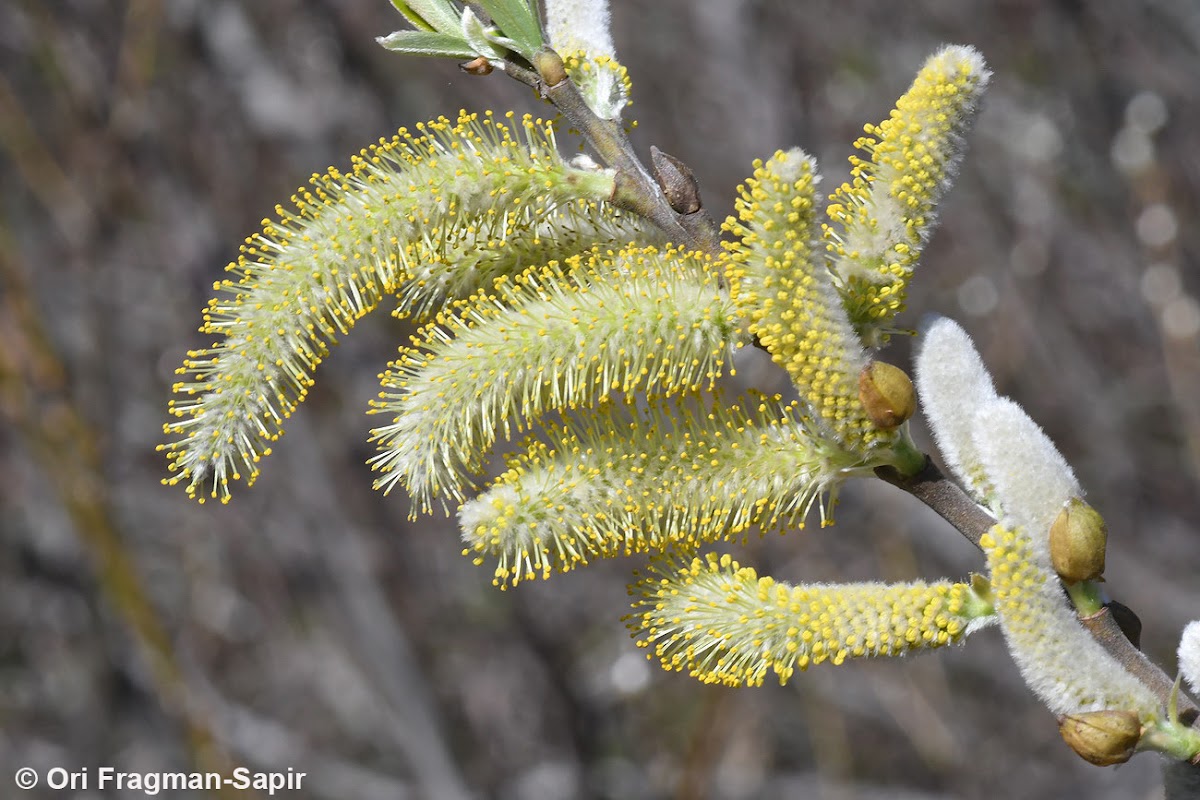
<point x="1105" y="630"/>
<point x="636" y="190"/>
<point x="945" y="497"/>
<point x="952" y="504"/>
<point x="686" y="222"/>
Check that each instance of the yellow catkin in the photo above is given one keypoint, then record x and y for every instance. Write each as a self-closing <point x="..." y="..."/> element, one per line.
<point x="881" y="218"/>
<point x="433" y="195"/>
<point x="675" y="474"/>
<point x="780" y="283"/>
<point x="556" y="337"/>
<point x="722" y="623"/>
<point x="1060" y="661"/>
<point x="602" y="79"/>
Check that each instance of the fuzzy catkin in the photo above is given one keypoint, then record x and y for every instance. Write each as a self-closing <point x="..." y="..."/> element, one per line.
<point x="881" y="219"/>
<point x="428" y="214"/>
<point x="722" y="623"/>
<point x="556" y="338"/>
<point x="674" y="474"/>
<point x="783" y="288"/>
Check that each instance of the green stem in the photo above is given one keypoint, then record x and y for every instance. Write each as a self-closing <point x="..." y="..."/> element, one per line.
<point x="1086" y="596"/>
<point x="1173" y="739"/>
<point x="904" y="456"/>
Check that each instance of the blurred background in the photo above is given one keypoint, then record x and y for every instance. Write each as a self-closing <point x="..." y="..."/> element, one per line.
<point x="311" y="625"/>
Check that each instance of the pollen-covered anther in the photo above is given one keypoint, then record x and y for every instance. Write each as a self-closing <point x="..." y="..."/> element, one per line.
<point x="581" y="32"/>
<point x="881" y="218"/>
<point x="558" y="336"/>
<point x="783" y="287"/>
<point x="1046" y="638"/>
<point x="610" y="484"/>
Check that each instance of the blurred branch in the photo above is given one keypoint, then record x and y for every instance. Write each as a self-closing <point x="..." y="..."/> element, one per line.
<point x="270" y="745"/>
<point x="376" y="636"/>
<point x="40" y="171"/>
<point x="35" y="399"/>
<point x="1181" y="781"/>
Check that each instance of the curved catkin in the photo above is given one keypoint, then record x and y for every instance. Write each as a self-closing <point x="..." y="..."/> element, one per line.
<point x="429" y="214"/>
<point x="676" y="473"/>
<point x="557" y="337"/>
<point x="781" y="284"/>
<point x="881" y="219"/>
<point x="1060" y="661"/>
<point x="722" y="623"/>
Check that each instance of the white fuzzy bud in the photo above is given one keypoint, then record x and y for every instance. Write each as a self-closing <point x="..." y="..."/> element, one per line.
<point x="1031" y="480"/>
<point x="579" y="25"/>
<point x="1189" y="655"/>
<point x="954" y="384"/>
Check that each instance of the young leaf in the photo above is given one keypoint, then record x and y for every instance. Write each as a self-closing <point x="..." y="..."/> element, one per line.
<point x="517" y="20"/>
<point x="438" y="15"/>
<point x="478" y="36"/>
<point x="427" y="43"/>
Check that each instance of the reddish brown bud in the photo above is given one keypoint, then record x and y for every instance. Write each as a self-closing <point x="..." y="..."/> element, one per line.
<point x="677" y="182"/>
<point x="477" y="66"/>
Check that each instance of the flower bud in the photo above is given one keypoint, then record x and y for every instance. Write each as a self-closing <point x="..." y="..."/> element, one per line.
<point x="549" y="66"/>
<point x="677" y="181"/>
<point x="1102" y="738"/>
<point x="1077" y="540"/>
<point x="477" y="66"/>
<point x="886" y="394"/>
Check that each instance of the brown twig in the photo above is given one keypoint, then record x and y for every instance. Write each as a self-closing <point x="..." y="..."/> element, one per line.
<point x="1105" y="630"/>
<point x="945" y="497"/>
<point x="636" y="190"/>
